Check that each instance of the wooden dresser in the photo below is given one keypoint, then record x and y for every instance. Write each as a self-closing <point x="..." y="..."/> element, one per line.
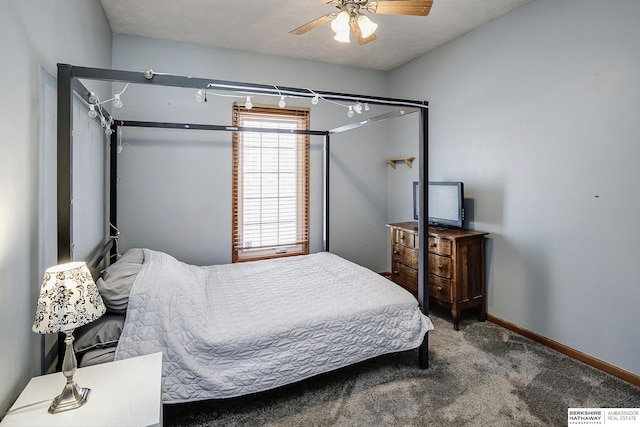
<point x="456" y="266"/>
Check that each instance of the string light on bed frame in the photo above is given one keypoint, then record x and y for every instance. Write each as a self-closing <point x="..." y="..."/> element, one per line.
<point x="117" y="102"/>
<point x="95" y="109"/>
<point x="358" y="107"/>
<point x="201" y="95"/>
<point x="121" y="145"/>
<point x="92" y="111"/>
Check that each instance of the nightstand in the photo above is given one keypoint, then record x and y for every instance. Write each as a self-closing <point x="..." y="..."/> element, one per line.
<point x="123" y="393"/>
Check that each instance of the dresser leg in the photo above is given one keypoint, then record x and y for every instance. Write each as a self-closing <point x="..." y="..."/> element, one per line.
<point x="482" y="312"/>
<point x="454" y="315"/>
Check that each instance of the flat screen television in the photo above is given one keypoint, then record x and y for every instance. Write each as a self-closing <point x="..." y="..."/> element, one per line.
<point x="445" y="203"/>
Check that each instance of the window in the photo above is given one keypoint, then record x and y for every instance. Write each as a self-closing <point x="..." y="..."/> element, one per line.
<point x="270" y="184"/>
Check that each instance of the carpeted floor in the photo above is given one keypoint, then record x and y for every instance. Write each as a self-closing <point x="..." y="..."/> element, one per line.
<point x="482" y="375"/>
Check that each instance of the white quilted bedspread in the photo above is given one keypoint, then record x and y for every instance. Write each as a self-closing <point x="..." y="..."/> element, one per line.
<point x="235" y="329"/>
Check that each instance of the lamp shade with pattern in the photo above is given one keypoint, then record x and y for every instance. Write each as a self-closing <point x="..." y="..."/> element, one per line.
<point x="69" y="298"/>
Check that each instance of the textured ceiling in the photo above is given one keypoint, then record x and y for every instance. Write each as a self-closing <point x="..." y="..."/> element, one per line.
<point x="263" y="26"/>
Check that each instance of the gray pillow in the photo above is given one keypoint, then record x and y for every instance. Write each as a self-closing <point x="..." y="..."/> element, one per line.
<point x="135" y="255"/>
<point x="116" y="281"/>
<point x="95" y="357"/>
<point x="104" y="332"/>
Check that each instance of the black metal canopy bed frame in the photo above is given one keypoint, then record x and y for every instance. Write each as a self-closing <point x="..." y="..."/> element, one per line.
<point x="70" y="86"/>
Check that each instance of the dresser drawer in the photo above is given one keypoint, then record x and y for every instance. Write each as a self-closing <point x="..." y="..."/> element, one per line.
<point x="405" y="276"/>
<point x="407" y="239"/>
<point x="440" y="265"/>
<point x="439" y="246"/>
<point x="406" y="256"/>
<point x="440" y="288"/>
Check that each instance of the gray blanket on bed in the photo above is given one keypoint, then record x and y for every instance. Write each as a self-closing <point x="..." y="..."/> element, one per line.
<point x="230" y="330"/>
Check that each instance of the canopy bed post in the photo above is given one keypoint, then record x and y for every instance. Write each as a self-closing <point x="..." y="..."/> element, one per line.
<point x="327" y="162"/>
<point x="423" y="259"/>
<point x="64" y="162"/>
<point x="64" y="181"/>
<point x="113" y="186"/>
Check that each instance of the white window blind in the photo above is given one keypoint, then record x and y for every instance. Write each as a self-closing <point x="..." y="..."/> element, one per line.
<point x="270" y="184"/>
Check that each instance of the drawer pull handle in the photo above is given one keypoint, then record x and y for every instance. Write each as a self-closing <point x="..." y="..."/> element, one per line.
<point x="439" y="288"/>
<point x="395" y="272"/>
<point x="396" y="252"/>
<point x="440" y="265"/>
<point x="433" y="245"/>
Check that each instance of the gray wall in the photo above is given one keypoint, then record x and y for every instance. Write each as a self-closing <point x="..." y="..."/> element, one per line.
<point x="174" y="192"/>
<point x="537" y="113"/>
<point x="34" y="36"/>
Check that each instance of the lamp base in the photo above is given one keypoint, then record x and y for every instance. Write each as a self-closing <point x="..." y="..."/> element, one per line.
<point x="72" y="397"/>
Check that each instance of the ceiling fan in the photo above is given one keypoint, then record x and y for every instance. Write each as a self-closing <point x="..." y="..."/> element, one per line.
<point x="351" y="17"/>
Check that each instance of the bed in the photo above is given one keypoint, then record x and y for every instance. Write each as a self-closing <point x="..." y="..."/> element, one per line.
<point x="235" y="329"/>
<point x="327" y="322"/>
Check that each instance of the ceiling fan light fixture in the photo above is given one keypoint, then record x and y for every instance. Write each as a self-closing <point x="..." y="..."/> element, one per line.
<point x="367" y="26"/>
<point x="342" y="36"/>
<point x="340" y="23"/>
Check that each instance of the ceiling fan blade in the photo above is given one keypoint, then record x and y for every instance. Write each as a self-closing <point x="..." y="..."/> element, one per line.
<point x="311" y="25"/>
<point x="401" y="7"/>
<point x="356" y="30"/>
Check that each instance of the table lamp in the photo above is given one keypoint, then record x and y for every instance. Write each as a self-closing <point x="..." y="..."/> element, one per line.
<point x="68" y="299"/>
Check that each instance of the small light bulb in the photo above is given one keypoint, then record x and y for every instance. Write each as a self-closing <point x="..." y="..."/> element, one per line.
<point x="117" y="102"/>
<point x="366" y="106"/>
<point x="282" y="102"/>
<point x="108" y="131"/>
<point x="340" y="23"/>
<point x="342" y="37"/>
<point x="358" y="108"/>
<point x="198" y="96"/>
<point x="367" y="26"/>
<point x="248" y="105"/>
<point x="350" y="113"/>
<point x="92" y="111"/>
<point x="315" y="99"/>
<point x="93" y="98"/>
